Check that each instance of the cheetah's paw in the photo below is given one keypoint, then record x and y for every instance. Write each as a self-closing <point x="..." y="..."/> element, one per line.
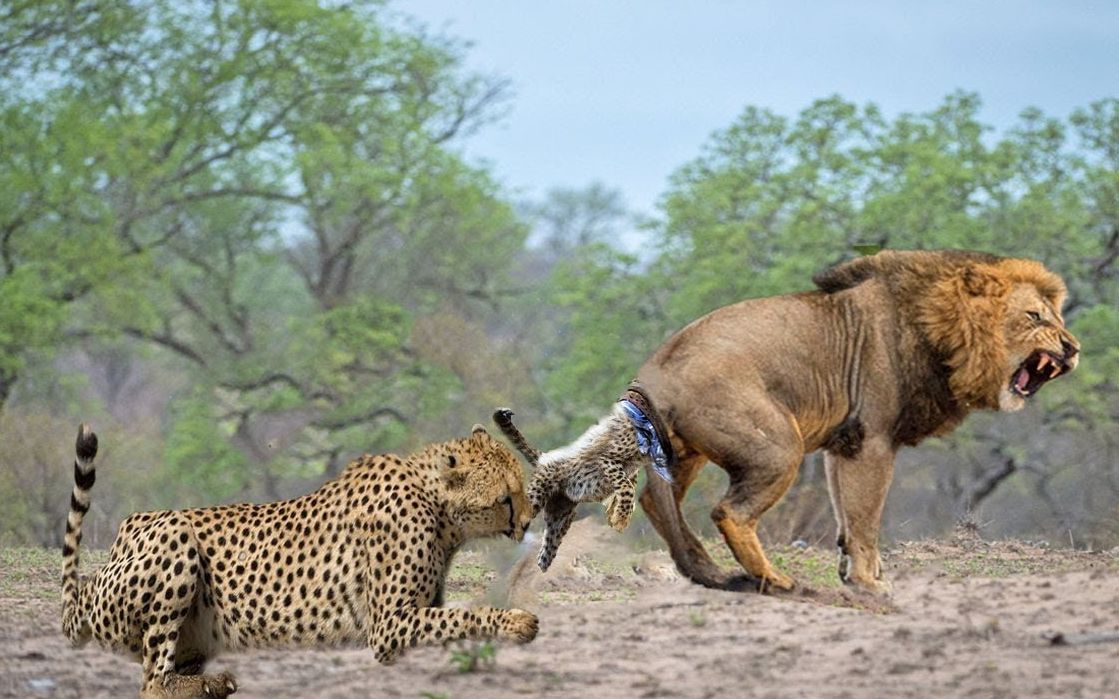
<point x="520" y="626"/>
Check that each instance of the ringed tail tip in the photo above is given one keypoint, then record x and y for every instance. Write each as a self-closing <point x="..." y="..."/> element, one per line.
<point x="86" y="444"/>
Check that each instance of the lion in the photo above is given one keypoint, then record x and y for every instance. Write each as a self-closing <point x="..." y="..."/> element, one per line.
<point x="888" y="350"/>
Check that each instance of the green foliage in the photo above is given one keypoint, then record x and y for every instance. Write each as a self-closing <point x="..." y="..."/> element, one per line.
<point x="615" y="319"/>
<point x="471" y="657"/>
<point x="197" y="451"/>
<point x="771" y="200"/>
<point x="268" y="192"/>
<point x="266" y="204"/>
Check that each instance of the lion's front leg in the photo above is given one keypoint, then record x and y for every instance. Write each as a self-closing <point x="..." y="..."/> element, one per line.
<point x="405" y="627"/>
<point x="859" y="486"/>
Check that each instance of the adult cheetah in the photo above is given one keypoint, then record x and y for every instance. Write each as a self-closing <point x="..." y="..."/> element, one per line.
<point x="362" y="560"/>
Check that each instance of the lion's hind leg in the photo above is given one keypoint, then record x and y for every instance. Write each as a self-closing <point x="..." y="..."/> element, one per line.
<point x="661" y="502"/>
<point x="762" y="464"/>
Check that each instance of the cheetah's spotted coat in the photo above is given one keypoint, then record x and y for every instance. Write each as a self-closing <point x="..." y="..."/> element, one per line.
<point x="361" y="560"/>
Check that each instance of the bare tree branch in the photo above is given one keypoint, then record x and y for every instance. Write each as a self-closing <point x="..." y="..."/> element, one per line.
<point x="165" y="339"/>
<point x="342" y="423"/>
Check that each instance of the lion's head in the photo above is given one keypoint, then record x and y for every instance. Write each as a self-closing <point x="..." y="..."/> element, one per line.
<point x="995" y="321"/>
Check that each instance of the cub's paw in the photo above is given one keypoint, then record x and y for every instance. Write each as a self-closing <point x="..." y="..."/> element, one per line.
<point x="618" y="513"/>
<point x="544" y="560"/>
<point x="519" y="625"/>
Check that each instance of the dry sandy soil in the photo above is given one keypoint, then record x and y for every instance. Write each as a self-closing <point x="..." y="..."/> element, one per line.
<point x="967" y="618"/>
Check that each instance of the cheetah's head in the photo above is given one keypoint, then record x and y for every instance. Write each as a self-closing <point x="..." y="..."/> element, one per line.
<point x="486" y="487"/>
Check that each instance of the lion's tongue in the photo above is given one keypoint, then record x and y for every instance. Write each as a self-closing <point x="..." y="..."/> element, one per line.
<point x="1022" y="379"/>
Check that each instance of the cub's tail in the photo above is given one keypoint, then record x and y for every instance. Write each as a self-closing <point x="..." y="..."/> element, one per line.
<point x="503" y="418"/>
<point x="74" y="624"/>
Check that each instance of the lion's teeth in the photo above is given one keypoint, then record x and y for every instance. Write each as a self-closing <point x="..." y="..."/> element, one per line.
<point x="1042" y="361"/>
<point x="1056" y="370"/>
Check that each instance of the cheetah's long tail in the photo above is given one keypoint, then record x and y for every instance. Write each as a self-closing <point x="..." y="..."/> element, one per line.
<point x="503" y="418"/>
<point x="74" y="624"/>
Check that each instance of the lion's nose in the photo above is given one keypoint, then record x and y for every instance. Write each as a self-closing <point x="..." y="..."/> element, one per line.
<point x="1070" y="349"/>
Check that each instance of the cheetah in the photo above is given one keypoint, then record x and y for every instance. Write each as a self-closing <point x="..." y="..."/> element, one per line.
<point x="362" y="560"/>
<point x="600" y="466"/>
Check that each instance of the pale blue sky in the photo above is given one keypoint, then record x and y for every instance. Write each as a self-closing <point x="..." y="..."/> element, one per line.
<point x="626" y="92"/>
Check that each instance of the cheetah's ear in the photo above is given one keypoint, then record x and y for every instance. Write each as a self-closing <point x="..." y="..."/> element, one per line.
<point x="476" y="429"/>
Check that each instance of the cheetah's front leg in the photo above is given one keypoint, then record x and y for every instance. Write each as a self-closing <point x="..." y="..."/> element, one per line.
<point x="396" y="621"/>
<point x="405" y="627"/>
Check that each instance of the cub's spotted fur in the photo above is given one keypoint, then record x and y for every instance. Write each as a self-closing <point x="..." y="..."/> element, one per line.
<point x="600" y="466"/>
<point x="361" y="560"/>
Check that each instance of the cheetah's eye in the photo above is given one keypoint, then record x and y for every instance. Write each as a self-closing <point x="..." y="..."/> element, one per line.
<point x="1034" y="316"/>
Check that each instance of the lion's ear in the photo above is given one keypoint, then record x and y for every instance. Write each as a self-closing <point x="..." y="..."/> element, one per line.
<point x="979" y="280"/>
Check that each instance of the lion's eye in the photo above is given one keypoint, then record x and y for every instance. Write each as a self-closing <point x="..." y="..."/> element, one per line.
<point x="1034" y="316"/>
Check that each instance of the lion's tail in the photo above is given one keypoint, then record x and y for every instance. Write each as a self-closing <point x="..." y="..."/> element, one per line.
<point x="74" y="624"/>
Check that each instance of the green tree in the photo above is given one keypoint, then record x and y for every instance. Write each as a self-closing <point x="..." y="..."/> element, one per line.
<point x="268" y="191"/>
<point x="770" y="200"/>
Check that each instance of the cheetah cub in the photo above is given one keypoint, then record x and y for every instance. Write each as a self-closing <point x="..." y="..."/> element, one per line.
<point x="599" y="466"/>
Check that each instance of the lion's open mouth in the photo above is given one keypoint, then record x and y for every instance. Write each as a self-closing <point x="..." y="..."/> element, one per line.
<point x="1032" y="374"/>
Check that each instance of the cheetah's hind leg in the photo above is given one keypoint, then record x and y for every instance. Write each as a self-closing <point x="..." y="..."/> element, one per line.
<point x="175" y="686"/>
<point x="164" y="660"/>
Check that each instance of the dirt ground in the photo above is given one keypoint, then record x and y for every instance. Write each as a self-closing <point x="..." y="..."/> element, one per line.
<point x="967" y="619"/>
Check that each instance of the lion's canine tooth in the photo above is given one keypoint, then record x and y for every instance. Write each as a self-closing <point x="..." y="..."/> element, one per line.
<point x="1042" y="361"/>
<point x="1056" y="370"/>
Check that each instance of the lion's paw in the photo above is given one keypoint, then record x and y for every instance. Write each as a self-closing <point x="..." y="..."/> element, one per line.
<point x="879" y="588"/>
<point x="775" y="579"/>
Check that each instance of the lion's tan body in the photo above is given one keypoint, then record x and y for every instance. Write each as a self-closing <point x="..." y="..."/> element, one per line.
<point x="892" y="349"/>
